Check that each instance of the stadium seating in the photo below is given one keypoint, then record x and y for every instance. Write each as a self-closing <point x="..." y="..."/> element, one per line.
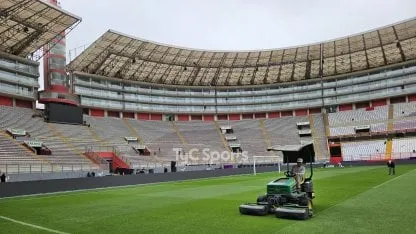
<point x="358" y="117"/>
<point x="404" y="148"/>
<point x="14" y="117"/>
<point x="110" y="129"/>
<point x="350" y="130"/>
<point x="342" y="123"/>
<point x="339" y="131"/>
<point x="363" y="150"/>
<point x="12" y="154"/>
<point x="137" y="161"/>
<point x="201" y="135"/>
<point x="21" y="118"/>
<point x="404" y="110"/>
<point x="283" y="131"/>
<point x="404" y="124"/>
<point x="249" y="135"/>
<point x="378" y="127"/>
<point x="69" y="142"/>
<point x="158" y="135"/>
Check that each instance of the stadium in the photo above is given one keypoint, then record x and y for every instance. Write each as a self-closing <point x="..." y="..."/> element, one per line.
<point x="141" y="136"/>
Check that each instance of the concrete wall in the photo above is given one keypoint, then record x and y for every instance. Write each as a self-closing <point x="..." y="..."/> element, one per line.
<point x="49" y="175"/>
<point x="60" y="185"/>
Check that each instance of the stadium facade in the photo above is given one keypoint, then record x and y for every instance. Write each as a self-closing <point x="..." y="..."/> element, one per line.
<point x="353" y="97"/>
<point x="147" y="80"/>
<point x="26" y="27"/>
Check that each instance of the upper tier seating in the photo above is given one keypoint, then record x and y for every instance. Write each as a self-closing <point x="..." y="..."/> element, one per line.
<point x="357" y="117"/>
<point x="404" y="110"/>
<point x="350" y="130"/>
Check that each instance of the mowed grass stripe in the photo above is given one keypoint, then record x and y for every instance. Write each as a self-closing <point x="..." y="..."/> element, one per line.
<point x="388" y="208"/>
<point x="152" y="187"/>
<point x="223" y="188"/>
<point x="127" y="197"/>
<point x="31" y="225"/>
<point x="11" y="228"/>
<point x="187" y="206"/>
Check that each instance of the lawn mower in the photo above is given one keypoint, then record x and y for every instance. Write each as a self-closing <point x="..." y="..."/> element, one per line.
<point x="282" y="197"/>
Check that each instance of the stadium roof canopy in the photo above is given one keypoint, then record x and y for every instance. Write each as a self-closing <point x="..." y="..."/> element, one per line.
<point x="27" y="25"/>
<point x="293" y="148"/>
<point x="121" y="56"/>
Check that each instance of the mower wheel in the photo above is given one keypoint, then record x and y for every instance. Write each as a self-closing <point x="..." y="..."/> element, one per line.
<point x="303" y="201"/>
<point x="262" y="198"/>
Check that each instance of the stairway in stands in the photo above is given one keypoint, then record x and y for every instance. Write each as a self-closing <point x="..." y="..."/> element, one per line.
<point x="222" y="137"/>
<point x="196" y="155"/>
<point x="133" y="131"/>
<point x="159" y="136"/>
<point x="326" y="124"/>
<point x="389" y="142"/>
<point x="21" y="118"/>
<point x="250" y="137"/>
<point x="201" y="135"/>
<point x="266" y="137"/>
<point x="76" y="137"/>
<point x="319" y="137"/>
<point x="13" y="152"/>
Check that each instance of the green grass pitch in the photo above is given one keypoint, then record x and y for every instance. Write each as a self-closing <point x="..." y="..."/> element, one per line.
<point x="348" y="200"/>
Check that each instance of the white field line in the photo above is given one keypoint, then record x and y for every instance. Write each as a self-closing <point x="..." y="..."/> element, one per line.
<point x="395" y="178"/>
<point x="31" y="225"/>
<point x="338" y="204"/>
<point x="377" y="186"/>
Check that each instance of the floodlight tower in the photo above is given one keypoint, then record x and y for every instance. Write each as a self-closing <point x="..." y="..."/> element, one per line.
<point x="56" y="81"/>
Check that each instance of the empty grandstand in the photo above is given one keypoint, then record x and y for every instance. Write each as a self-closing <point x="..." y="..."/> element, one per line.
<point x="134" y="104"/>
<point x="26" y="26"/>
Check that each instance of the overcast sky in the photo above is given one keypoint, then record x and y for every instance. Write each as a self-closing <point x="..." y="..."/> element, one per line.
<point x="232" y="24"/>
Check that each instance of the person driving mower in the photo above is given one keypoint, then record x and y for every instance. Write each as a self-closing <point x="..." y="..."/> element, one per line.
<point x="290" y="196"/>
<point x="299" y="171"/>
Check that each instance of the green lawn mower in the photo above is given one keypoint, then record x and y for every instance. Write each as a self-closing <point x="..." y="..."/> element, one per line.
<point x="282" y="197"/>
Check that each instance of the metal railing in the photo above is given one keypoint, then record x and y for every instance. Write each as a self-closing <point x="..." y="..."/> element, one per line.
<point x="67" y="96"/>
<point x="146" y="163"/>
<point x="93" y="153"/>
<point x="378" y="157"/>
<point x="95" y="157"/>
<point x="24" y="168"/>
